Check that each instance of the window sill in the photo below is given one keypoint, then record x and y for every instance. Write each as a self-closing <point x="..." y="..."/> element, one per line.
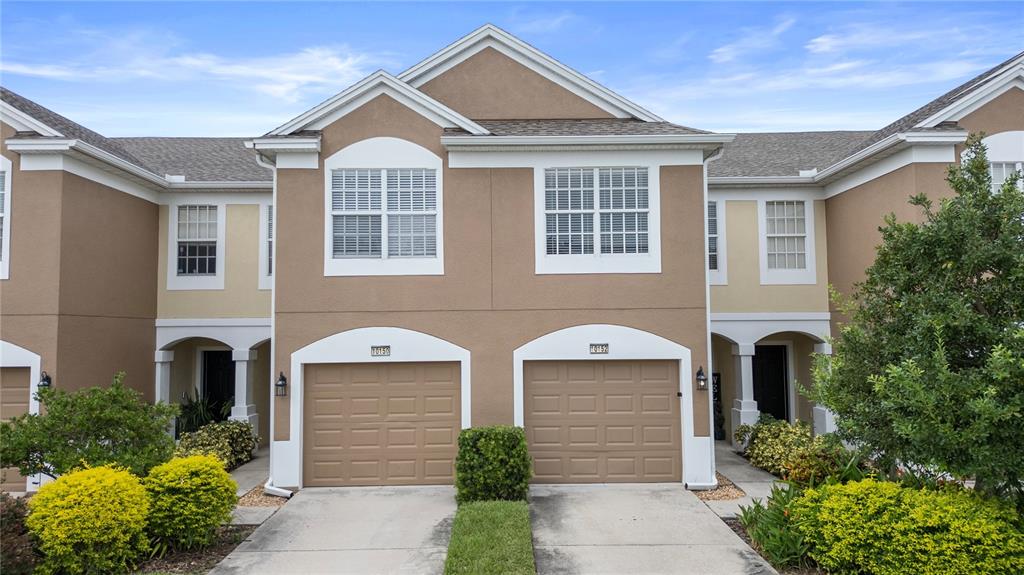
<point x="384" y="267"/>
<point x="176" y="282"/>
<point x="789" y="277"/>
<point x="609" y="264"/>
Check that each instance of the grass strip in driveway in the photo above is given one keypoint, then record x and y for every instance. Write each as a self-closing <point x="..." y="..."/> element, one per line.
<point x="491" y="537"/>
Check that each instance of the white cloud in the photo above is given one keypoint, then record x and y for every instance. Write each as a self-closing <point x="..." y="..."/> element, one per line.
<point x="541" y="23"/>
<point x="753" y="40"/>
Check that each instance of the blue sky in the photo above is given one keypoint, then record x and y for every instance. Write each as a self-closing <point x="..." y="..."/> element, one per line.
<point x="240" y="69"/>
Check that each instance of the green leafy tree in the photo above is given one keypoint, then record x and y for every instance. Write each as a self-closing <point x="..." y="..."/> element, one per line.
<point x="929" y="371"/>
<point x="90" y="427"/>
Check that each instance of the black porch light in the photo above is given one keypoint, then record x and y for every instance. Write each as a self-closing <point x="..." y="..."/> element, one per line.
<point x="45" y="381"/>
<point x="281" y="386"/>
<point x="702" y="380"/>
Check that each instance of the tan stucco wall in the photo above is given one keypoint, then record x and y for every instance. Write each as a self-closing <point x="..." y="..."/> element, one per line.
<point x="261" y="379"/>
<point x="241" y="296"/>
<point x="491" y="86"/>
<point x="1003" y="114"/>
<point x="489" y="301"/>
<point x="744" y="293"/>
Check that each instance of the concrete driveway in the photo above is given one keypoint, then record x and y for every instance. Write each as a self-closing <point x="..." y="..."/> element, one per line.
<point x="365" y="530"/>
<point x="636" y="529"/>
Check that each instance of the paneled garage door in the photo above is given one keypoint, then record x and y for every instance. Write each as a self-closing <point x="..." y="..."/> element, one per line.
<point x="603" y="421"/>
<point x="14" y="396"/>
<point x="380" y="424"/>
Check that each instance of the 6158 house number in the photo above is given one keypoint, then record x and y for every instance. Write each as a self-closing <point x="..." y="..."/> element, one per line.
<point x="599" y="348"/>
<point x="380" y="350"/>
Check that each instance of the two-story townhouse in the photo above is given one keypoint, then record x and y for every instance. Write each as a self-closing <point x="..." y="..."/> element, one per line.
<point x="488" y="237"/>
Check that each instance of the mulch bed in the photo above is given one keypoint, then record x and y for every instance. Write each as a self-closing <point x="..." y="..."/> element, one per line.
<point x="734" y="524"/>
<point x="202" y="560"/>
<point x="726" y="490"/>
<point x="256" y="498"/>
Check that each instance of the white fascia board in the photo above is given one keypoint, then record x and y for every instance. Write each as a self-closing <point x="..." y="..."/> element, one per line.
<point x="287" y="144"/>
<point x="22" y="122"/>
<point x="756" y="181"/>
<point x="490" y="35"/>
<point x="1012" y="76"/>
<point x="51" y="145"/>
<point x="393" y="86"/>
<point x="695" y="140"/>
<point x="39" y="145"/>
<point x="206" y="186"/>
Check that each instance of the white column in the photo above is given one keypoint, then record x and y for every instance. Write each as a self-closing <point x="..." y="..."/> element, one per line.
<point x="163" y="359"/>
<point x="744" y="407"/>
<point x="824" y="419"/>
<point x="244" y="408"/>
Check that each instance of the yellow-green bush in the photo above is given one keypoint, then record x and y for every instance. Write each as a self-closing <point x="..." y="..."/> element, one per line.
<point x="189" y="498"/>
<point x="885" y="529"/>
<point x="772" y="441"/>
<point x="230" y="441"/>
<point x="90" y="521"/>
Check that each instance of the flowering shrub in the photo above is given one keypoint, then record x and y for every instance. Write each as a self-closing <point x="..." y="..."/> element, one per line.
<point x="230" y="441"/>
<point x="17" y="556"/>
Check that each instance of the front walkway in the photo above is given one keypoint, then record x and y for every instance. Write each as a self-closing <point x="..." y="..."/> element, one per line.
<point x="633" y="528"/>
<point x="365" y="530"/>
<point x="757" y="484"/>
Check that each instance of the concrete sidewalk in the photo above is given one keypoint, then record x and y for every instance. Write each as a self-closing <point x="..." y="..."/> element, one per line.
<point x="636" y="529"/>
<point x="365" y="530"/>
<point x="757" y="484"/>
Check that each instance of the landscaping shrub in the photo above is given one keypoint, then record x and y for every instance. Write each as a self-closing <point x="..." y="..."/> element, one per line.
<point x="17" y="556"/>
<point x="230" y="441"/>
<point x="90" y="521"/>
<point x="770" y="526"/>
<point x="493" y="464"/>
<point x="189" y="497"/>
<point x="491" y="537"/>
<point x="771" y="441"/>
<point x="885" y="529"/>
<point x="90" y="427"/>
<point x="824" y="457"/>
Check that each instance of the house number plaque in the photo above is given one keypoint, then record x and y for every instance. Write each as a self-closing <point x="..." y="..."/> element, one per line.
<point x="380" y="350"/>
<point x="598" y="348"/>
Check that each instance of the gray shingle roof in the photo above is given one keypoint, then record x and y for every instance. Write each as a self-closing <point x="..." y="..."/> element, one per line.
<point x="65" y="126"/>
<point x="784" y="153"/>
<point x="591" y="127"/>
<point x="199" y="159"/>
<point x="910" y="120"/>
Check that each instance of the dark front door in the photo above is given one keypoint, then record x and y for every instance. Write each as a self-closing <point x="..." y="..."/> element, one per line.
<point x="218" y="379"/>
<point x="770" y="377"/>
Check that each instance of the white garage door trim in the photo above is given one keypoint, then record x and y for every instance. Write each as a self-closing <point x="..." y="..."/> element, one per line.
<point x="573" y="343"/>
<point x="16" y="356"/>
<point x="353" y="346"/>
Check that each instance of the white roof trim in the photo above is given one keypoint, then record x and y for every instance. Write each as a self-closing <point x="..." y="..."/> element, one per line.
<point x="22" y="122"/>
<point x="1012" y="75"/>
<point x="702" y="140"/>
<point x="366" y="89"/>
<point x="494" y="37"/>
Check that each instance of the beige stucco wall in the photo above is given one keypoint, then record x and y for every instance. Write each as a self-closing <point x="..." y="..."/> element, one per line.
<point x="489" y="301"/>
<point x="241" y="296"/>
<point x="491" y="86"/>
<point x="744" y="293"/>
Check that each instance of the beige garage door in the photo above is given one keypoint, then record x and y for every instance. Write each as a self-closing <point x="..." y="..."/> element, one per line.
<point x="380" y="424"/>
<point x="603" y="421"/>
<point x="14" y="396"/>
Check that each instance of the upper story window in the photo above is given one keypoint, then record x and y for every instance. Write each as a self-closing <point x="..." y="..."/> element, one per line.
<point x="5" y="216"/>
<point x="713" y="236"/>
<point x="786" y="241"/>
<point x="196" y="247"/>
<point x="383" y="210"/>
<point x="1001" y="171"/>
<point x="266" y="246"/>
<point x="270" y="240"/>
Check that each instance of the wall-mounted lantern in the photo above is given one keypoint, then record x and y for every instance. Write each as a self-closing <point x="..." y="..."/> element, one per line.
<point x="281" y="386"/>
<point x="45" y="381"/>
<point x="702" y="380"/>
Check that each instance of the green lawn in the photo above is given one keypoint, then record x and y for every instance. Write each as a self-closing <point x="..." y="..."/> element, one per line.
<point x="491" y="537"/>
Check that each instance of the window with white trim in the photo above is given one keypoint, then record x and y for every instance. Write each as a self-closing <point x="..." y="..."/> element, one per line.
<point x="713" y="236"/>
<point x="617" y="198"/>
<point x="270" y="240"/>
<point x="3" y="211"/>
<point x="786" y="235"/>
<point x="197" y="240"/>
<point x="5" y="217"/>
<point x="384" y="213"/>
<point x="1001" y="171"/>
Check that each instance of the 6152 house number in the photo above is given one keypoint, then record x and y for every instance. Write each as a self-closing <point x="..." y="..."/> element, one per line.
<point x="599" y="348"/>
<point x="380" y="350"/>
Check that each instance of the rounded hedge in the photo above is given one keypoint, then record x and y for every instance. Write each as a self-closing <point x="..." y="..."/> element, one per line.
<point x="230" y="441"/>
<point x="883" y="528"/>
<point x="493" y="464"/>
<point x="189" y="498"/>
<point x="90" y="521"/>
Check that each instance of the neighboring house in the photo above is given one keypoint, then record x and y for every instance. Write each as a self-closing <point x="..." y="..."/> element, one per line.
<point x="488" y="237"/>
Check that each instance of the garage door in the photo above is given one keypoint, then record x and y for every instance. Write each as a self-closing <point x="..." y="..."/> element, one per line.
<point x="603" y="421"/>
<point x="14" y="396"/>
<point x="380" y="424"/>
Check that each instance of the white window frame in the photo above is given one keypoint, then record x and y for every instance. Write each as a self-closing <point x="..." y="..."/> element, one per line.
<point x="806" y="276"/>
<point x="5" y="254"/>
<point x="266" y="277"/>
<point x="187" y="282"/>
<point x="598" y="263"/>
<point x="1018" y="166"/>
<point x="1006" y="148"/>
<point x="719" y="276"/>
<point x="383" y="153"/>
